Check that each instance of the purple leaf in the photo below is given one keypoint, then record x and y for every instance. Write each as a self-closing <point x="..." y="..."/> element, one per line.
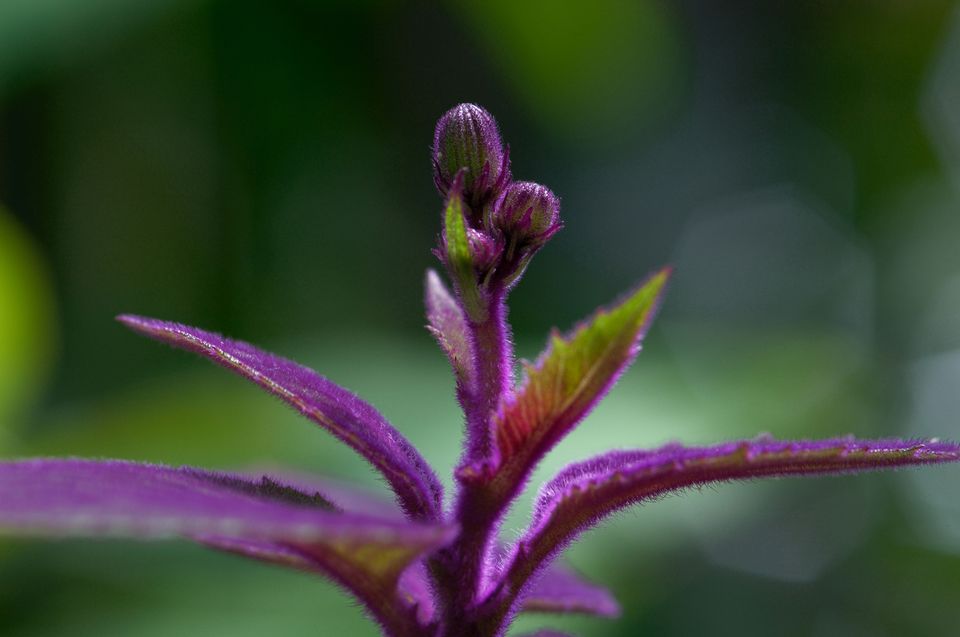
<point x="337" y="410"/>
<point x="263" y="519"/>
<point x="584" y="493"/>
<point x="412" y="588"/>
<point x="346" y="497"/>
<point x="449" y="326"/>
<point x="557" y="590"/>
<point x="560" y="590"/>
<point x="415" y="591"/>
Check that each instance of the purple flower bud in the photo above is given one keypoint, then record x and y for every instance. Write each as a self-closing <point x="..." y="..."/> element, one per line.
<point x="527" y="212"/>
<point x="484" y="249"/>
<point x="467" y="138"/>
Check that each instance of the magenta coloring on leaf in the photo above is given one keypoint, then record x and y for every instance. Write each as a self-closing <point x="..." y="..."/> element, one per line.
<point x="560" y="590"/>
<point x="335" y="409"/>
<point x="583" y="494"/>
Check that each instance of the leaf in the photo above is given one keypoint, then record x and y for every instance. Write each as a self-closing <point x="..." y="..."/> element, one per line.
<point x="413" y="588"/>
<point x="416" y="592"/>
<point x="265" y="519"/>
<point x="584" y="493"/>
<point x="449" y="326"/>
<point x="457" y="255"/>
<point x="344" y="496"/>
<point x="560" y="590"/>
<point x="337" y="410"/>
<point x="263" y="550"/>
<point x="573" y="374"/>
<point x="557" y="590"/>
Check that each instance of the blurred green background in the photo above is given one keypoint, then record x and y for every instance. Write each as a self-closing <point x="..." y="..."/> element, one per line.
<point x="262" y="169"/>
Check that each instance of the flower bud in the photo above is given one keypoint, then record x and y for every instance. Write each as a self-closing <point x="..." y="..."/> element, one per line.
<point x="483" y="248"/>
<point x="527" y="212"/>
<point x="467" y="138"/>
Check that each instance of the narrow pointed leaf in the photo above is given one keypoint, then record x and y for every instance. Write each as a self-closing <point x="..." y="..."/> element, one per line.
<point x="449" y="326"/>
<point x="413" y="589"/>
<point x="458" y="257"/>
<point x="337" y="410"/>
<point x="264" y="550"/>
<point x="582" y="494"/>
<point x="573" y="374"/>
<point x="560" y="590"/>
<point x="263" y="519"/>
<point x="117" y="498"/>
<point x="343" y="496"/>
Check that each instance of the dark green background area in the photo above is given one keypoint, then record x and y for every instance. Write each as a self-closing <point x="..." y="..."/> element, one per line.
<point x="262" y="169"/>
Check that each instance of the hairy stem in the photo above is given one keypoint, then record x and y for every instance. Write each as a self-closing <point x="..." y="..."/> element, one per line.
<point x="459" y="570"/>
<point x="493" y="365"/>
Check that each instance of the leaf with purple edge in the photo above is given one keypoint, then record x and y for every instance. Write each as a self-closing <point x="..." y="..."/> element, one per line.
<point x="584" y="493"/>
<point x="572" y="375"/>
<point x="262" y="519"/>
<point x="560" y="590"/>
<point x="346" y="497"/>
<point x="337" y="410"/>
<point x="413" y="588"/>
<point x="262" y="550"/>
<point x="449" y="326"/>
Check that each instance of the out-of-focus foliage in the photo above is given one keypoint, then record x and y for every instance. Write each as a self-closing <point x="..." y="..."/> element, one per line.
<point x="262" y="169"/>
<point x="592" y="76"/>
<point x="27" y="336"/>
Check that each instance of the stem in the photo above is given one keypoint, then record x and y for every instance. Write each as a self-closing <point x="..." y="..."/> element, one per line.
<point x="459" y="570"/>
<point x="493" y="352"/>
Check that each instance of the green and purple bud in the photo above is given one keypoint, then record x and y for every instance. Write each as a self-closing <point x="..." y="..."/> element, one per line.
<point x="485" y="250"/>
<point x="456" y="252"/>
<point x="466" y="138"/>
<point x="527" y="213"/>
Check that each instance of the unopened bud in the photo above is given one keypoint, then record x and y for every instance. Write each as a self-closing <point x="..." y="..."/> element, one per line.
<point x="467" y="138"/>
<point x="483" y="248"/>
<point x="527" y="212"/>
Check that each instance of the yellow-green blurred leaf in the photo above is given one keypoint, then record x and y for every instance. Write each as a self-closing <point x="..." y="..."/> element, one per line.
<point x="26" y="322"/>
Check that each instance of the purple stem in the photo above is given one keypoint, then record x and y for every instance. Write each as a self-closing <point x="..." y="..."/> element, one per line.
<point x="493" y="362"/>
<point x="460" y="570"/>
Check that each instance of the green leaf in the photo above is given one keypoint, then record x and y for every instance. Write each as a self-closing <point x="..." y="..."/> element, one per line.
<point x="458" y="257"/>
<point x="575" y="372"/>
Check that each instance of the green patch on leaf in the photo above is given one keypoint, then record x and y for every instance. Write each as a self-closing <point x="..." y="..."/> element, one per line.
<point x="575" y="371"/>
<point x="459" y="259"/>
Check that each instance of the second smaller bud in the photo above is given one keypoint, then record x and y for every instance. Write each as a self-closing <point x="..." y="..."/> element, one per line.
<point x="527" y="212"/>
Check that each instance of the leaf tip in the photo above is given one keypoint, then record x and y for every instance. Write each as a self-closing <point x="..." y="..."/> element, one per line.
<point x="128" y="319"/>
<point x="657" y="282"/>
<point x="135" y="322"/>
